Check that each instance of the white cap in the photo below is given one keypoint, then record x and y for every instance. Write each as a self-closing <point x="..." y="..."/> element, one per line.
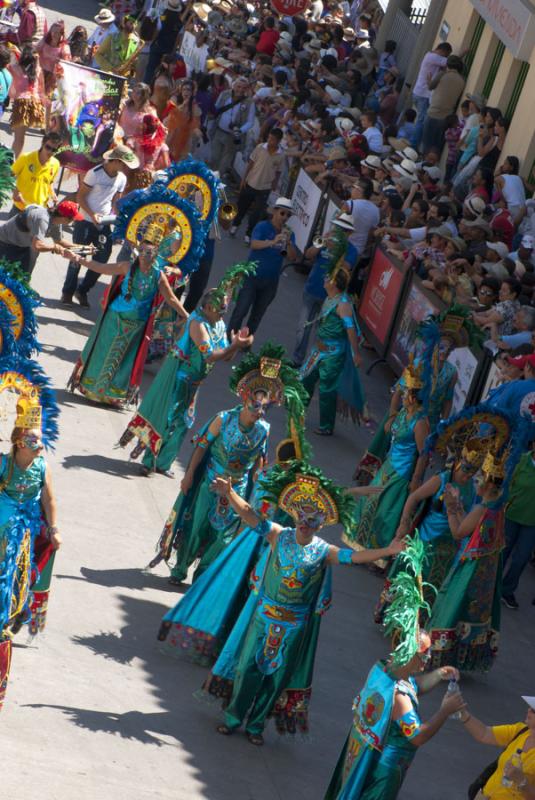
<point x="344" y="221"/>
<point x="529" y="700"/>
<point x="334" y="94"/>
<point x="343" y="124"/>
<point x="499" y="247"/>
<point x="284" y="202"/>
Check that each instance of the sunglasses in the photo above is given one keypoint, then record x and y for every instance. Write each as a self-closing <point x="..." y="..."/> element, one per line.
<point x="486" y="292"/>
<point x="50" y="148"/>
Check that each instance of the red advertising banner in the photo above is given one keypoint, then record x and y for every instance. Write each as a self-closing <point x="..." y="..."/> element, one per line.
<point x="380" y="298"/>
<point x="289" y="8"/>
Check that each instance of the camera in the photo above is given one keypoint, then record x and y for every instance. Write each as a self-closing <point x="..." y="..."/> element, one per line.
<point x="236" y="135"/>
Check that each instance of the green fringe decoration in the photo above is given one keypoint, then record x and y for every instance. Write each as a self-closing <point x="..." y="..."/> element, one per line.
<point x="278" y="478"/>
<point x="338" y="250"/>
<point x="402" y="617"/>
<point x="7" y="179"/>
<point x="234" y="277"/>
<point x="476" y="336"/>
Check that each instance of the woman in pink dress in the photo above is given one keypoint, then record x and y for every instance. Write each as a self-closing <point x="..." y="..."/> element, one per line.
<point x="135" y="108"/>
<point x="28" y="94"/>
<point x="52" y="47"/>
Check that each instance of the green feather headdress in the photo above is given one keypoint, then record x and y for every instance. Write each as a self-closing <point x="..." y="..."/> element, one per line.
<point x="402" y="617"/>
<point x="456" y="323"/>
<point x="284" y="379"/>
<point x="232" y="280"/>
<point x="337" y="252"/>
<point x="7" y="179"/>
<point x="278" y="478"/>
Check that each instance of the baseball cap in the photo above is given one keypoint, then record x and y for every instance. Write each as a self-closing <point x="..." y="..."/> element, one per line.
<point x="284" y="202"/>
<point x="334" y="94"/>
<point x="528" y="242"/>
<point x="122" y="153"/>
<point x="433" y="172"/>
<point x="520" y="362"/>
<point x="68" y="209"/>
<point x="498" y="247"/>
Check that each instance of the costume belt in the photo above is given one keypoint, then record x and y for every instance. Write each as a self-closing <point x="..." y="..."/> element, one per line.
<point x="279" y="620"/>
<point x="330" y="346"/>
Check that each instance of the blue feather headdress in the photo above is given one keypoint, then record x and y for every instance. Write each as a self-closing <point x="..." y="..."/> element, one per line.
<point x="21" y="302"/>
<point x="8" y="347"/>
<point x="159" y="204"/>
<point x="23" y="375"/>
<point x="207" y="184"/>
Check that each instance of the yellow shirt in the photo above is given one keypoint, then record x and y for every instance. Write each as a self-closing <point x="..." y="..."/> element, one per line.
<point x="493" y="789"/>
<point x="34" y="181"/>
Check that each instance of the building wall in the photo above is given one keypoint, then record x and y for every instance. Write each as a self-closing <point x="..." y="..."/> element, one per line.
<point x="462" y="18"/>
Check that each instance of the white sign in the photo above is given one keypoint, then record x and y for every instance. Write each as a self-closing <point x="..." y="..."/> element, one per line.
<point x="465" y="363"/>
<point x="513" y="21"/>
<point x="494" y="379"/>
<point x="194" y="57"/>
<point x="306" y="198"/>
<point x="332" y="212"/>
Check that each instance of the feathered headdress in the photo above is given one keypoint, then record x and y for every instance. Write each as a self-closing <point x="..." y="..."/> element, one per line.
<point x="36" y="403"/>
<point x="232" y="280"/>
<point x="7" y="179"/>
<point x="269" y="371"/>
<point x="189" y="177"/>
<point x="337" y="254"/>
<point x="159" y="207"/>
<point x="301" y="486"/>
<point x="456" y="324"/>
<point x="402" y="617"/>
<point x="21" y="302"/>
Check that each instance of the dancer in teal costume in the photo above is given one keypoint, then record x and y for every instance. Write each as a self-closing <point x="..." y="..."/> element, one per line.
<point x="269" y="670"/>
<point x="387" y="729"/>
<point x="201" y="621"/>
<point x="167" y="411"/>
<point x="335" y="358"/>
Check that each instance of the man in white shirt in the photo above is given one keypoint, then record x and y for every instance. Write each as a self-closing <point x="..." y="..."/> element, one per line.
<point x="235" y="115"/>
<point x="365" y="214"/>
<point x="105" y="26"/>
<point x="98" y="193"/>
<point x="432" y="62"/>
<point x="373" y="135"/>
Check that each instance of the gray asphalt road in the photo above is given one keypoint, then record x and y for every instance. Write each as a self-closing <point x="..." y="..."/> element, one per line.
<point x="94" y="710"/>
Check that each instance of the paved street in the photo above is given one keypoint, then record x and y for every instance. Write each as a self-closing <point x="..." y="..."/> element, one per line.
<point x="94" y="710"/>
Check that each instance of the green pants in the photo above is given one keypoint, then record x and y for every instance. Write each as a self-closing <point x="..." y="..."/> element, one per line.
<point x="254" y="694"/>
<point x="327" y="371"/>
<point x="175" y="430"/>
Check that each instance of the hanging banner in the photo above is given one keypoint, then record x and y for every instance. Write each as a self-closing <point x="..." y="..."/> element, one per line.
<point x="306" y="199"/>
<point x="380" y="299"/>
<point x="333" y="210"/>
<point x="289" y="8"/>
<point x="84" y="112"/>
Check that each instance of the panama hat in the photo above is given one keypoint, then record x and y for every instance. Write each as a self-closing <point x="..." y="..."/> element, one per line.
<point x="104" y="17"/>
<point x="344" y="221"/>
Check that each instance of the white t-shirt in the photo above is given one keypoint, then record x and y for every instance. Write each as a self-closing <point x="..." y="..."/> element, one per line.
<point x="103" y="190"/>
<point x="431" y="63"/>
<point x="374" y="137"/>
<point x="365" y="217"/>
<point x="513" y="191"/>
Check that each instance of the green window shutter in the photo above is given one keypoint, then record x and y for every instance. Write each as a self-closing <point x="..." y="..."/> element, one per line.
<point x="493" y="70"/>
<point x="474" y="44"/>
<point x="517" y="90"/>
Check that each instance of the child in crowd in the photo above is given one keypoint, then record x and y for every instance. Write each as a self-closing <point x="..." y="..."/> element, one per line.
<point x="454" y="128"/>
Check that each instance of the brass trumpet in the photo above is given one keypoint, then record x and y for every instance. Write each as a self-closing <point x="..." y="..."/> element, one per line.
<point x="318" y="242"/>
<point x="227" y="211"/>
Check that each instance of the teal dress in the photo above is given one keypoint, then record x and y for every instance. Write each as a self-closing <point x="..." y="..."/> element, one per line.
<point x="378" y="751"/>
<point x="331" y="363"/>
<point x="200" y="622"/>
<point x="268" y="659"/>
<point x="204" y="523"/>
<point x="377" y="516"/>
<point x="107" y="361"/>
<point x="20" y="521"/>
<point x="440" y="546"/>
<point x="167" y="411"/>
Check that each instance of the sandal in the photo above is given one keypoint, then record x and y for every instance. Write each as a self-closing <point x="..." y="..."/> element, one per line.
<point x="224" y="730"/>
<point x="256" y="738"/>
<point x="175" y="581"/>
<point x="322" y="432"/>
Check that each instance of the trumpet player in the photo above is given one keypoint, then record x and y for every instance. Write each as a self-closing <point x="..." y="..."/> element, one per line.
<point x="314" y="292"/>
<point x="272" y="242"/>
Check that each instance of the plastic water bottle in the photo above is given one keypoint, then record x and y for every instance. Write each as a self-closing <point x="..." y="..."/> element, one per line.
<point x="453" y="687"/>
<point x="516" y="761"/>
